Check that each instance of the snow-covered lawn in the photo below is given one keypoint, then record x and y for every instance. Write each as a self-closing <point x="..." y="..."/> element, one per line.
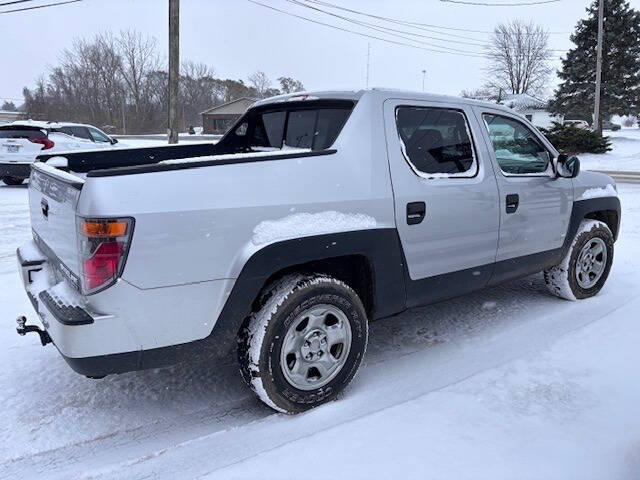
<point x="506" y="383"/>
<point x="624" y="156"/>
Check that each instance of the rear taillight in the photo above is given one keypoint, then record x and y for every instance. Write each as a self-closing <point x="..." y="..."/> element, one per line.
<point x="103" y="244"/>
<point x="43" y="141"/>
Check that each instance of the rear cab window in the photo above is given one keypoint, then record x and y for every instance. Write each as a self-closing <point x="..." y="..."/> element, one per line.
<point x="312" y="125"/>
<point x="436" y="141"/>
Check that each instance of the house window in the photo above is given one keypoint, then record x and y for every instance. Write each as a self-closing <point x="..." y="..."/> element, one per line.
<point x="220" y="124"/>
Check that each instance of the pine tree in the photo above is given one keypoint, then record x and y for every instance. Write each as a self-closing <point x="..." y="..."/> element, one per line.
<point x="620" y="92"/>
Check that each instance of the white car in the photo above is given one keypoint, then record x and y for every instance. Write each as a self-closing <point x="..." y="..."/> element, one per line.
<point x="22" y="141"/>
<point x="581" y="124"/>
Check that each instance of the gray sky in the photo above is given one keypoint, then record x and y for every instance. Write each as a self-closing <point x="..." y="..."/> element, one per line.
<point x="236" y="38"/>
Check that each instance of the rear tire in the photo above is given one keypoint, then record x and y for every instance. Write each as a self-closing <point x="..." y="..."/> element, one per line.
<point x="585" y="268"/>
<point x="305" y="342"/>
<point x="12" y="181"/>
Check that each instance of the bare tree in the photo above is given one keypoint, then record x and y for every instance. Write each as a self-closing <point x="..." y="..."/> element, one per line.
<point x="519" y="58"/>
<point x="260" y="82"/>
<point x="139" y="59"/>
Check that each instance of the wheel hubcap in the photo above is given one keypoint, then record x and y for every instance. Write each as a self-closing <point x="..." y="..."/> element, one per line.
<point x="315" y="347"/>
<point x="591" y="263"/>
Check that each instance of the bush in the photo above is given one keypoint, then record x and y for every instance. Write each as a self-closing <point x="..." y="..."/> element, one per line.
<point x="572" y="140"/>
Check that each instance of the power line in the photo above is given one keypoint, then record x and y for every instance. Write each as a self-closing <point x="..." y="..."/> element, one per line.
<point x="476" y="42"/>
<point x="39" y="6"/>
<point x="387" y="30"/>
<point x="407" y="22"/>
<point x="424" y="28"/>
<point x="4" y="4"/>
<point x="335" y="27"/>
<point x="483" y="4"/>
<point x="384" y="30"/>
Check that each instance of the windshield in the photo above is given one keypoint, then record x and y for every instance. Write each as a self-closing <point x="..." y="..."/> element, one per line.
<point x="276" y="127"/>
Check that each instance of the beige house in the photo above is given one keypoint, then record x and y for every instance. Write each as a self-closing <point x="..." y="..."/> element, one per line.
<point x="218" y="119"/>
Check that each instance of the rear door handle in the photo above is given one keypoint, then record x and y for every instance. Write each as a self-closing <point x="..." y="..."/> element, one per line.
<point x="513" y="200"/>
<point x="416" y="211"/>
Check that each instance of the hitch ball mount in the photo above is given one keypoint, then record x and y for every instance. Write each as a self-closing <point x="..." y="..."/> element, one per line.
<point x="23" y="329"/>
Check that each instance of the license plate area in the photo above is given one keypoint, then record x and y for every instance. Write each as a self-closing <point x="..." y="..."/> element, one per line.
<point x="12" y="148"/>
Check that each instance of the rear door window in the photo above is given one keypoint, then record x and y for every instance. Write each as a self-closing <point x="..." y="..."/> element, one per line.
<point x="78" y="132"/>
<point x="436" y="141"/>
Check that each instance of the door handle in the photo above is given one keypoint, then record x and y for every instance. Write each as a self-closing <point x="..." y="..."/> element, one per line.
<point x="416" y="211"/>
<point x="513" y="200"/>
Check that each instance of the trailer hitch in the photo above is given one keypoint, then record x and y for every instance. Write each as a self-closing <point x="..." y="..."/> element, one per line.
<point x="23" y="329"/>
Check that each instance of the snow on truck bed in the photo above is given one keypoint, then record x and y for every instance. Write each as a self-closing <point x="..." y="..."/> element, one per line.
<point x="505" y="383"/>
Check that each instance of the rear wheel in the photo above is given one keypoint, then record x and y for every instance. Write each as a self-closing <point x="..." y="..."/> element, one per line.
<point x="585" y="268"/>
<point x="12" y="180"/>
<point x="304" y="344"/>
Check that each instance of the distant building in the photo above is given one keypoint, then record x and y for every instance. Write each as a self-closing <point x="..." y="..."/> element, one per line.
<point x="218" y="119"/>
<point x="534" y="109"/>
<point x="8" y="117"/>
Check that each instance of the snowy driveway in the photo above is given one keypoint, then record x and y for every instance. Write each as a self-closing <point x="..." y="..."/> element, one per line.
<point x="505" y="383"/>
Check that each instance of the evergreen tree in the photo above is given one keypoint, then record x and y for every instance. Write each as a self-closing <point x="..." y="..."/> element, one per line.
<point x="620" y="91"/>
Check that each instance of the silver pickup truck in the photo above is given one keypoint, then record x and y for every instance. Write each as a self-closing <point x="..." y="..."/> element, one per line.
<point x="315" y="214"/>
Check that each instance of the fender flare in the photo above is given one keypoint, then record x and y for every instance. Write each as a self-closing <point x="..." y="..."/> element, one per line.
<point x="582" y="208"/>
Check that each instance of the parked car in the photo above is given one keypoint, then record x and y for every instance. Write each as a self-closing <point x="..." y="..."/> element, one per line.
<point x="22" y="141"/>
<point x="314" y="215"/>
<point x="608" y="125"/>
<point x="578" y="124"/>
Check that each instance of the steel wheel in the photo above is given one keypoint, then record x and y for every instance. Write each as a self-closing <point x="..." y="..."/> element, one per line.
<point x="591" y="263"/>
<point x="316" y="347"/>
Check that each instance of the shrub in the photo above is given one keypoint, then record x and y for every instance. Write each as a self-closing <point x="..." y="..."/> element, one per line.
<point x="573" y="140"/>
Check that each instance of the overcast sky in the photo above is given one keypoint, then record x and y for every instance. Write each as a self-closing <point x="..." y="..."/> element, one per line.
<point x="237" y="37"/>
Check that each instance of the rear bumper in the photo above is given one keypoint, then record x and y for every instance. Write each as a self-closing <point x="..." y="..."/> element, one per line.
<point x="15" y="170"/>
<point x="145" y="329"/>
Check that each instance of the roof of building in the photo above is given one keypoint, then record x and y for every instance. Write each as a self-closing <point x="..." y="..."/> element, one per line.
<point x="46" y="125"/>
<point x="523" y="101"/>
<point x="242" y="103"/>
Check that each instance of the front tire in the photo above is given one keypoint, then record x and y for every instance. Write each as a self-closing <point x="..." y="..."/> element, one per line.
<point x="12" y="181"/>
<point x="304" y="344"/>
<point x="585" y="268"/>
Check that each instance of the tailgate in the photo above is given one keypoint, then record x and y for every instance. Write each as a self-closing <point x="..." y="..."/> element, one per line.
<point x="52" y="205"/>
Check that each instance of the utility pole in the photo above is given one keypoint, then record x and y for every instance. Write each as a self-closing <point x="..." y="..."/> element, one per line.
<point x="124" y="124"/>
<point x="174" y="69"/>
<point x="368" y="61"/>
<point x="424" y="74"/>
<point x="596" y="109"/>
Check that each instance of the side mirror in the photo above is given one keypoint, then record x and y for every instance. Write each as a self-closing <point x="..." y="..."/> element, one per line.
<point x="567" y="167"/>
<point x="114" y="141"/>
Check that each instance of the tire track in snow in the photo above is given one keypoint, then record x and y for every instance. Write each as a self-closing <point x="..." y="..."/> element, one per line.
<point x="394" y="387"/>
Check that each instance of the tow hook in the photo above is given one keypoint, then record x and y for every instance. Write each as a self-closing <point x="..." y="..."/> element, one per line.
<point x="23" y="329"/>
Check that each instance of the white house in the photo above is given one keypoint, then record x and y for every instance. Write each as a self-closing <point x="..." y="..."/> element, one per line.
<point x="534" y="109"/>
<point x="8" y="117"/>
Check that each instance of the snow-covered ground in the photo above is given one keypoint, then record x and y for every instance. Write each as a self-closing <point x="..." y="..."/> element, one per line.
<point x="506" y="383"/>
<point x="624" y="156"/>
